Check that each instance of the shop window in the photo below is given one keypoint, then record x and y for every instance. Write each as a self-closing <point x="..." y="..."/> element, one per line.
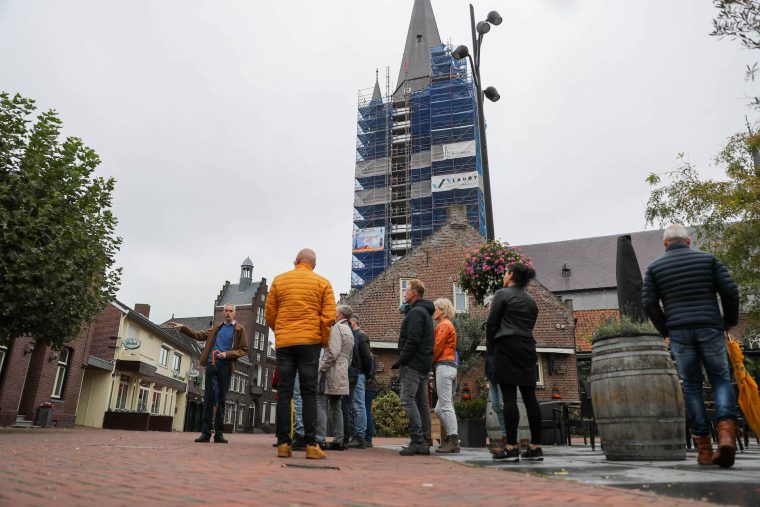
<point x="121" y="397"/>
<point x="156" y="405"/>
<point x="60" y="375"/>
<point x="142" y="398"/>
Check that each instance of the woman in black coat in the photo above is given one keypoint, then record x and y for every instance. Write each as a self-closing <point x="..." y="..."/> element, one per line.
<point x="509" y="333"/>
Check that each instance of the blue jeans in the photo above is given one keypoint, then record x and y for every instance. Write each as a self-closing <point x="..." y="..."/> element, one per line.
<point x="498" y="407"/>
<point x="360" y="412"/>
<point x="297" y="408"/>
<point x="368" y="397"/>
<point x="694" y="348"/>
<point x="215" y="395"/>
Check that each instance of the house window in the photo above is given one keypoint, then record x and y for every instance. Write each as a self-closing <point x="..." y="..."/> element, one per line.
<point x="256" y="341"/>
<point x="266" y="379"/>
<point x="539" y="371"/>
<point x="272" y="413"/>
<point x="229" y="413"/>
<point x="261" y="340"/>
<point x="142" y="398"/>
<point x="121" y="397"/>
<point x="263" y="412"/>
<point x="60" y="374"/>
<point x="260" y="314"/>
<point x="241" y="411"/>
<point x="176" y="362"/>
<point x="460" y="299"/>
<point x="3" y="353"/>
<point x="402" y="283"/>
<point x="164" y="357"/>
<point x="156" y="405"/>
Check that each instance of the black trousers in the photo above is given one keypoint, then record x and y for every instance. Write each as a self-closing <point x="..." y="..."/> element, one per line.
<point x="348" y="409"/>
<point x="512" y="414"/>
<point x="217" y="384"/>
<point x="303" y="359"/>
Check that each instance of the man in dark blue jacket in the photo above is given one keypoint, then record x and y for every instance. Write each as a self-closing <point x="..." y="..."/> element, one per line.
<point x="686" y="281"/>
<point x="415" y="359"/>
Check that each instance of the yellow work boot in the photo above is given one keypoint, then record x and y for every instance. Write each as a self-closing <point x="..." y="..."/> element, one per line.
<point x="284" y="451"/>
<point x="314" y="451"/>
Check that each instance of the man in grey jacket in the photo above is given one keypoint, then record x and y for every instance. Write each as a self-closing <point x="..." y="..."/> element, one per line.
<point x="686" y="281"/>
<point x="415" y="359"/>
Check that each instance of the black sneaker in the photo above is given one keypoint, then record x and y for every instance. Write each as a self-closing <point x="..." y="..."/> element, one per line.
<point x="512" y="454"/>
<point x="337" y="446"/>
<point x="535" y="454"/>
<point x="203" y="438"/>
<point x="357" y="442"/>
<point x="415" y="448"/>
<point x="219" y="439"/>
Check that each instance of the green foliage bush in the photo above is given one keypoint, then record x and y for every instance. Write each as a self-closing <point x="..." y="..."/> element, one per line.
<point x="470" y="333"/>
<point x="474" y="408"/>
<point x="389" y="416"/>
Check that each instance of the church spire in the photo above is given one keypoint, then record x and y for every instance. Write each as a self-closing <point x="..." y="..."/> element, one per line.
<point x="377" y="96"/>
<point x="422" y="35"/>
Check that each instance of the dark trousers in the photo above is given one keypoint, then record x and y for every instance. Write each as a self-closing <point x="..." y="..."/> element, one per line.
<point x="303" y="359"/>
<point x="368" y="397"/>
<point x="512" y="414"/>
<point x="348" y="409"/>
<point x="217" y="384"/>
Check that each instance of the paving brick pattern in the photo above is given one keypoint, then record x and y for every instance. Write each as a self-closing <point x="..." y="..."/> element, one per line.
<point x="78" y="466"/>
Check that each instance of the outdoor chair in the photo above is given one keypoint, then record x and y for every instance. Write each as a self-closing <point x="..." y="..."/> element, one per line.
<point x="586" y="417"/>
<point x="552" y="429"/>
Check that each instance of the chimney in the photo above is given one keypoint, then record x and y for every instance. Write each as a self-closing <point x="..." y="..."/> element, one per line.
<point x="143" y="309"/>
<point x="456" y="215"/>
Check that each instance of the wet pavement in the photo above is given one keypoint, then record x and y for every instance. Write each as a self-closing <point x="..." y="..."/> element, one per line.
<point x="739" y="485"/>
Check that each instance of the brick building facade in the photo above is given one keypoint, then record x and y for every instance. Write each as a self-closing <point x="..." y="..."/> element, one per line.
<point x="437" y="262"/>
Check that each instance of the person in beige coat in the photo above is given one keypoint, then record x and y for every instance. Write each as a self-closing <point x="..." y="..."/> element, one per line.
<point x="333" y="378"/>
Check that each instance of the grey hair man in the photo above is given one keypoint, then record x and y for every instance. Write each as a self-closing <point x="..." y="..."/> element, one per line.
<point x="686" y="281"/>
<point x="360" y="370"/>
<point x="225" y="343"/>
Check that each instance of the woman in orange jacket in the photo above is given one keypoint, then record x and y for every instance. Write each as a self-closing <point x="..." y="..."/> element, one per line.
<point x="445" y="368"/>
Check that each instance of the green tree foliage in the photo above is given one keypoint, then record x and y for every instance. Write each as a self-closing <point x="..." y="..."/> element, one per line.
<point x="470" y="333"/>
<point x="725" y="214"/>
<point x="57" y="242"/>
<point x="740" y="20"/>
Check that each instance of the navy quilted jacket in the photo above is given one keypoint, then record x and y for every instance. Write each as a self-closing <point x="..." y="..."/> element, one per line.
<point x="686" y="281"/>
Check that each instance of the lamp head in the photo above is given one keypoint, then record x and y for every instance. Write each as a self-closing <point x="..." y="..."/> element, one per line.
<point x="491" y="94"/>
<point x="483" y="27"/>
<point x="460" y="52"/>
<point x="494" y="18"/>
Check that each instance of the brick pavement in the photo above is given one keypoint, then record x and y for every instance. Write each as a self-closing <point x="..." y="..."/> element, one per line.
<point x="79" y="466"/>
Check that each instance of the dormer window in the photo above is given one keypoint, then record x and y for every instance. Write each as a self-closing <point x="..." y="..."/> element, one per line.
<point x="566" y="271"/>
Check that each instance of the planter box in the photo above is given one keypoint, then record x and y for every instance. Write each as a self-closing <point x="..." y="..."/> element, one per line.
<point x="472" y="432"/>
<point x="160" y="423"/>
<point x="136" y="421"/>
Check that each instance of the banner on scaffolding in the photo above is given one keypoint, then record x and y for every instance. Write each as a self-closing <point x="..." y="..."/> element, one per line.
<point x="446" y="182"/>
<point x="453" y="150"/>
<point x="369" y="239"/>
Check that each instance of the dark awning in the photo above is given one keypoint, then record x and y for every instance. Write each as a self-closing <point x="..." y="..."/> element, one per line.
<point x="148" y="372"/>
<point x="98" y="363"/>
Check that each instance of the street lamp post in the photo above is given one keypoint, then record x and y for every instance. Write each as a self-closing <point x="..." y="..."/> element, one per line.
<point x="481" y="28"/>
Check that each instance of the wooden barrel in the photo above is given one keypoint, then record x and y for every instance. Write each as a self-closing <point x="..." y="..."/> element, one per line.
<point x="492" y="421"/>
<point x="637" y="398"/>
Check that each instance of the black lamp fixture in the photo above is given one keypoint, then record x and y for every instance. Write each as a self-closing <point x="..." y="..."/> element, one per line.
<point x="461" y="52"/>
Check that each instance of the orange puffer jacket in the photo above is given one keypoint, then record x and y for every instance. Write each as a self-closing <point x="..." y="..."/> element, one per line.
<point x="300" y="308"/>
<point x="445" y="347"/>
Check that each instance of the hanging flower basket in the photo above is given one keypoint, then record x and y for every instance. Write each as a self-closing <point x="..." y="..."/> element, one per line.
<point x="484" y="268"/>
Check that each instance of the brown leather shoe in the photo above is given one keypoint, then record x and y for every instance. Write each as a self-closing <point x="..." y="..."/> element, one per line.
<point x="314" y="451"/>
<point x="284" y="451"/>
<point x="704" y="446"/>
<point x="724" y="456"/>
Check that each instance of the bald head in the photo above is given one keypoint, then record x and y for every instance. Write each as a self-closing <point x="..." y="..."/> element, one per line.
<point x="306" y="256"/>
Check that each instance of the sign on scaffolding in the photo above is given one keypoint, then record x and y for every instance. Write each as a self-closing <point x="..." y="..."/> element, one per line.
<point x="446" y="182"/>
<point x="369" y="239"/>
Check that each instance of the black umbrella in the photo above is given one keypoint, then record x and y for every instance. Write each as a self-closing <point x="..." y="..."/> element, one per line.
<point x="629" y="280"/>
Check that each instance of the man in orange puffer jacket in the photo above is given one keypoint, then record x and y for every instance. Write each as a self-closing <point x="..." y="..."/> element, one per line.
<point x="300" y="310"/>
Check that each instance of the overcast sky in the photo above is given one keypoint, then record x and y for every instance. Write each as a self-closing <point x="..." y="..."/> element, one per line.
<point x="230" y="125"/>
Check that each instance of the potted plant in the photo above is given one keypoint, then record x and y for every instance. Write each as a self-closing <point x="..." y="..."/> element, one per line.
<point x="471" y="420"/>
<point x="484" y="268"/>
<point x="636" y="393"/>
